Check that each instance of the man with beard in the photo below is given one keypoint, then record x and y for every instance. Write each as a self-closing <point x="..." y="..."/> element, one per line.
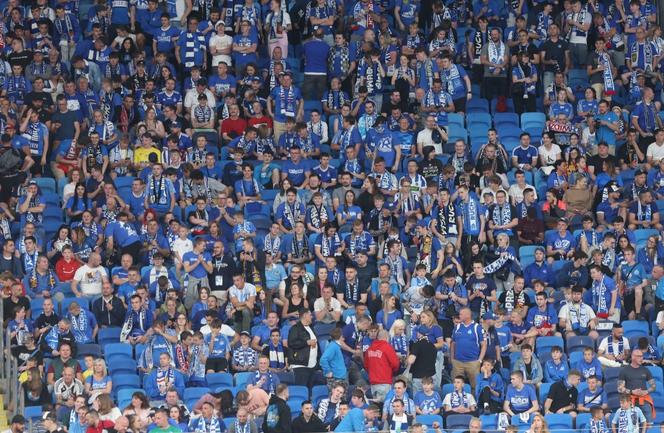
<point x="17" y="426"/>
<point x="494" y="58"/>
<point x="223" y="269"/>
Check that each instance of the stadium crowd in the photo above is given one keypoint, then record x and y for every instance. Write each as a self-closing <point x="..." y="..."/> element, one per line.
<point x="315" y="215"/>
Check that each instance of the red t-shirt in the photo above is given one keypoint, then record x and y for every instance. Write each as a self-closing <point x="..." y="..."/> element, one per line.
<point x="65" y="271"/>
<point x="257" y="121"/>
<point x="237" y="126"/>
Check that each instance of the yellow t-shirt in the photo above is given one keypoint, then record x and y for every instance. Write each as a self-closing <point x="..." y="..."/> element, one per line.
<point x="142" y="154"/>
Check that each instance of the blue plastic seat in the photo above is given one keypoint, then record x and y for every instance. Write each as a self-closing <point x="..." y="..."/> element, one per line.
<point x="510" y="120"/>
<point x="46" y="184"/>
<point x="242" y="378"/>
<point x="533" y="120"/>
<point x="457" y="421"/>
<point x="635" y="327"/>
<point x="455" y="119"/>
<point x="479" y="120"/>
<point x="117" y="349"/>
<point x="543" y="391"/>
<point x="125" y="395"/>
<point x="644" y="234"/>
<point x="32" y="412"/>
<point x="125" y="381"/>
<point x="298" y="392"/>
<point x="477" y="105"/>
<point x="216" y="380"/>
<point x="121" y="365"/>
<point x="489" y="422"/>
<point x="559" y="421"/>
<point x="428" y="420"/>
<point x="543" y="344"/>
<point x="191" y="395"/>
<point x="578" y="342"/>
<point x="288" y="377"/>
<point x="108" y="336"/>
<point x="88" y="349"/>
<point x="318" y="393"/>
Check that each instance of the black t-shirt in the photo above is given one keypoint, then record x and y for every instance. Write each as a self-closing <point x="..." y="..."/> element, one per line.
<point x="425" y="358"/>
<point x="43" y="96"/>
<point x="10" y="306"/>
<point x="528" y="48"/>
<point x="597" y="162"/>
<point x="554" y="51"/>
<point x="562" y="396"/>
<point x="23" y="58"/>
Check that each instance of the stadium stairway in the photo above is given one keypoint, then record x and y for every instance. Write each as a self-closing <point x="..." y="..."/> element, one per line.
<point x="4" y="423"/>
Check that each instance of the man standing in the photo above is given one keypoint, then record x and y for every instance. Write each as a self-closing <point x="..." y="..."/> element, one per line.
<point x="284" y="101"/>
<point x="315" y="66"/>
<point x="468" y="347"/>
<point x="381" y="363"/>
<point x="494" y="58"/>
<point x="638" y="382"/>
<point x="278" y="414"/>
<point x="303" y="346"/>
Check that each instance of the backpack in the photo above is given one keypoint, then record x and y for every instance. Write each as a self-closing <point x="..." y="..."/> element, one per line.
<point x="10" y="160"/>
<point x="272" y="416"/>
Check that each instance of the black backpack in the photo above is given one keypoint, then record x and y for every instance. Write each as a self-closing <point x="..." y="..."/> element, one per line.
<point x="10" y="160"/>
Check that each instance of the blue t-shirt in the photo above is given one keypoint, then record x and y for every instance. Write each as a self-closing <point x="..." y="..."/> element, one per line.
<point x="558" y="242"/>
<point x="165" y="38"/>
<point x="467" y="341"/>
<point x="428" y="403"/>
<point x="296" y="172"/>
<point x="123" y="234"/>
<point x="521" y="400"/>
<point x="199" y="271"/>
<point x="525" y="156"/>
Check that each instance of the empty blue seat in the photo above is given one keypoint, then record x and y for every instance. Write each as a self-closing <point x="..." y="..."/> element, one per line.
<point x="216" y="380"/>
<point x="125" y="381"/>
<point x="635" y="327"/>
<point x="191" y="395"/>
<point x="32" y="412"/>
<point x="120" y="364"/>
<point x="242" y="378"/>
<point x="318" y="393"/>
<point x="543" y="391"/>
<point x="477" y="105"/>
<point x="457" y="421"/>
<point x="428" y="420"/>
<point x="533" y="120"/>
<point x="88" y="349"/>
<point x="544" y="344"/>
<point x="108" y="336"/>
<point x="298" y="392"/>
<point x="117" y="349"/>
<point x="479" y="120"/>
<point x="455" y="119"/>
<point x="578" y="342"/>
<point x="559" y="421"/>
<point x="506" y="119"/>
<point x="46" y="184"/>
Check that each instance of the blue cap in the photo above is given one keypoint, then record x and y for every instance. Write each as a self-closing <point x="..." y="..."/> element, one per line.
<point x="422" y="223"/>
<point x="422" y="330"/>
<point x="488" y="316"/>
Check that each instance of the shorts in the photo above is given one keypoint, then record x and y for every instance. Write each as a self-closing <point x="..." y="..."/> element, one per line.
<point x="216" y="364"/>
<point x="460" y="105"/>
<point x="629" y="302"/>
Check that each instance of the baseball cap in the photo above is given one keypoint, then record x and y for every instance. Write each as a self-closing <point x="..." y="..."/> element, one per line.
<point x="422" y="223"/>
<point x="176" y="124"/>
<point x="563" y="220"/>
<point x="49" y="416"/>
<point x="422" y="330"/>
<point x="639" y="172"/>
<point x="539" y="249"/>
<point x="613" y="187"/>
<point x="488" y="316"/>
<point x="245" y="333"/>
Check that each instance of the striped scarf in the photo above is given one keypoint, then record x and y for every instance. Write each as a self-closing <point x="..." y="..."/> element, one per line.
<point x="210" y="426"/>
<point x="277" y="355"/>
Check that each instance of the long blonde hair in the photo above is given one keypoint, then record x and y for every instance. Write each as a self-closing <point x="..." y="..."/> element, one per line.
<point x="399" y="323"/>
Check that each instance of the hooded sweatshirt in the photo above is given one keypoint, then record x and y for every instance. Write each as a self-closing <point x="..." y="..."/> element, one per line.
<point x="381" y="362"/>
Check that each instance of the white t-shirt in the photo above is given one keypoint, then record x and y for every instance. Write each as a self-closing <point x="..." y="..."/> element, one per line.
<point x="604" y="345"/>
<point x="226" y="331"/>
<point x="424" y="139"/>
<point x="549" y="155"/>
<point x="90" y="279"/>
<point x="516" y="192"/>
<point x="585" y="311"/>
<point x="655" y="151"/>
<point x="181" y="247"/>
<point x="221" y="43"/>
<point x="248" y="291"/>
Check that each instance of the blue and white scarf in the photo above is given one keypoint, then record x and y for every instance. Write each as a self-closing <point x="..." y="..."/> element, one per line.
<point x="607" y="74"/>
<point x="496" y="54"/>
<point x="79" y="326"/>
